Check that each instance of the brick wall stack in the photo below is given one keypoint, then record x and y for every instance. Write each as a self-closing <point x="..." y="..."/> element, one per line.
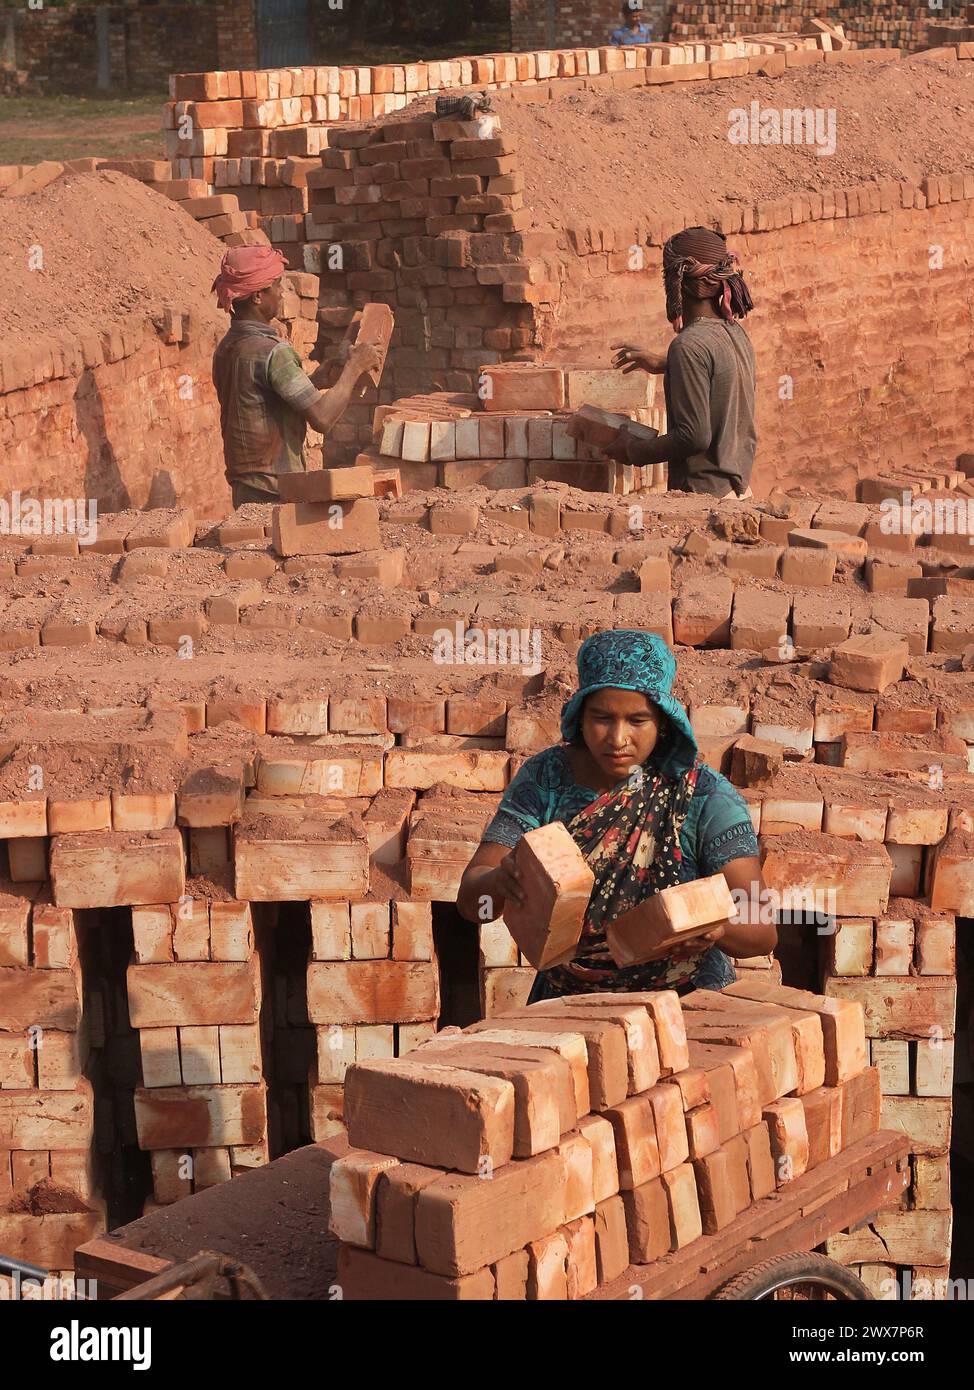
<point x="194" y="995"/>
<point x="893" y="22"/>
<point x="467" y="291"/>
<point x="536" y="1156"/>
<point x="257" y="133"/>
<point x="285" y="715"/>
<point x="47" y="1127"/>
<point x="534" y="25"/>
<point x="57" y="46"/>
<point x="514" y="432"/>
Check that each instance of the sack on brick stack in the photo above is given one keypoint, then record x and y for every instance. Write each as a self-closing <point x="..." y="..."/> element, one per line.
<point x="538" y="1155"/>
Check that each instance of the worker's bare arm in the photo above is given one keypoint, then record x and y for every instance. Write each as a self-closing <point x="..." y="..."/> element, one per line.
<point x="750" y="934"/>
<point x="331" y="405"/>
<point x="488" y="881"/>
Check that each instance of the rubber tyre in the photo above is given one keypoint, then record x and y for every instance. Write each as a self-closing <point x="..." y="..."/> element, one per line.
<point x="766" y="1278"/>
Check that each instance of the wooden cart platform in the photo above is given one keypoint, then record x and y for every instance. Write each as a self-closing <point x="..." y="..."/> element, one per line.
<point x="840" y="1194"/>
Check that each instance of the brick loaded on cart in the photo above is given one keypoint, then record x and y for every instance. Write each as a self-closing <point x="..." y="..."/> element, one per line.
<point x="606" y="1147"/>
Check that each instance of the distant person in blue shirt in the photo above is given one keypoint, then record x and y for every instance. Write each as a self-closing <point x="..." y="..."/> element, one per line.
<point x="633" y="30"/>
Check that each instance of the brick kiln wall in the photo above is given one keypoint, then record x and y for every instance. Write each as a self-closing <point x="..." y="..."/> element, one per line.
<point x="869" y="22"/>
<point x="536" y="25"/>
<point x="855" y="402"/>
<point x="128" y="419"/>
<point x="58" y="46"/>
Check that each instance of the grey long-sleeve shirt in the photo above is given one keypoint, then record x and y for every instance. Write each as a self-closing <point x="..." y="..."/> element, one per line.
<point x="709" y="384"/>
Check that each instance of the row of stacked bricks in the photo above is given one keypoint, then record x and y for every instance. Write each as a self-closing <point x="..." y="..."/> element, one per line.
<point x="258" y="135"/>
<point x="47" y="1128"/>
<point x="427" y="216"/>
<point x="269" y="810"/>
<point x="518" y="429"/>
<point x="864" y="22"/>
<point x="539" y="1155"/>
<point x="775" y="590"/>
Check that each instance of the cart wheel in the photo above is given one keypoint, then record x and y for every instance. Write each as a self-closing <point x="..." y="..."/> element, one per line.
<point x="807" y="1277"/>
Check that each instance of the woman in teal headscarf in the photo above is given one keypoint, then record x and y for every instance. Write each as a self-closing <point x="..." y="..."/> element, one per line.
<point x="647" y="814"/>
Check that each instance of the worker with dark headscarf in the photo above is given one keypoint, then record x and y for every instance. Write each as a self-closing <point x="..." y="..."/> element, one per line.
<point x="708" y="372"/>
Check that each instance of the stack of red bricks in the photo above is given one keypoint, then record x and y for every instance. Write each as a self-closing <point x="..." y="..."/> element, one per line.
<point x="46" y="1100"/>
<point x="521" y="428"/>
<point x="895" y="22"/>
<point x="194" y="994"/>
<point x="538" y="1156"/>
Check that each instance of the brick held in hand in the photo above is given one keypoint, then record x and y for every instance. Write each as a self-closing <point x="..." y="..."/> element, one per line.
<point x="595" y="426"/>
<point x="557" y="883"/>
<point x="375" y="325"/>
<point x="440" y="1116"/>
<point x="675" y="914"/>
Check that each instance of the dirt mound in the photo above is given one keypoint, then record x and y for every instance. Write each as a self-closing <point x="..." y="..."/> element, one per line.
<point x="104" y="248"/>
<point x="47" y="1198"/>
<point x="630" y="156"/>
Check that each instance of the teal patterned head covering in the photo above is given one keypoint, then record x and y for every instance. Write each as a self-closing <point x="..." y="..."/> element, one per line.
<point x="639" y="661"/>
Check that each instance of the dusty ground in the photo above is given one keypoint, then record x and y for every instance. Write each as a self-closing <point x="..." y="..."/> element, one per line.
<point x="665" y="152"/>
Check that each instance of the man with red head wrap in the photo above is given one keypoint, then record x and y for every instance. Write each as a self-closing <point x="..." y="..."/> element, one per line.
<point x="708" y="372"/>
<point x="266" y="399"/>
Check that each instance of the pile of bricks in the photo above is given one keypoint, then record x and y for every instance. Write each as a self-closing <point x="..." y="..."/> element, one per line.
<point x="519" y="429"/>
<point x="319" y="754"/>
<point x="538" y="1156"/>
<point x="893" y="22"/>
<point x="46" y="1103"/>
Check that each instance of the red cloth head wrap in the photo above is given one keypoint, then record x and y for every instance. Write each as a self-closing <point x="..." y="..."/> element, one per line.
<point x="245" y="270"/>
